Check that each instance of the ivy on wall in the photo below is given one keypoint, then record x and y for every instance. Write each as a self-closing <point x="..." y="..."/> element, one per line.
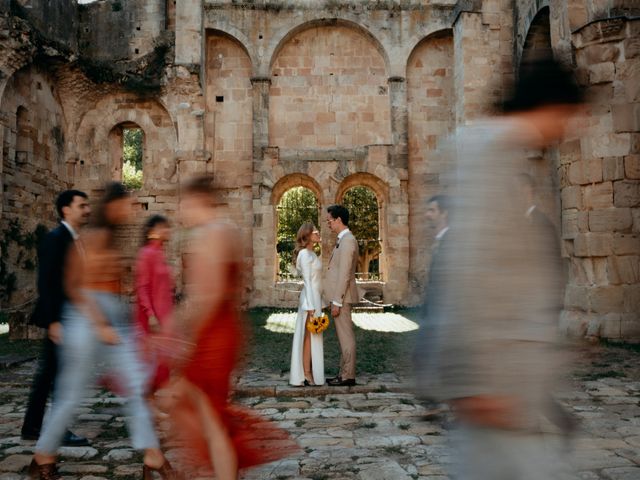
<point x="19" y="252"/>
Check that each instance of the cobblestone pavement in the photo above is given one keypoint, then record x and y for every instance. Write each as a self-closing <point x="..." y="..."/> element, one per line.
<point x="375" y="431"/>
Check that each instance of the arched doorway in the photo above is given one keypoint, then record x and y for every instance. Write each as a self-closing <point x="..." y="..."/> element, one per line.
<point x="296" y="206"/>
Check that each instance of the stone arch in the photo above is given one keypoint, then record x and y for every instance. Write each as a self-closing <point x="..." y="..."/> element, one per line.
<point x="381" y="191"/>
<point x="116" y="146"/>
<point x="533" y="20"/>
<point x="281" y="38"/>
<point x="296" y="180"/>
<point x="379" y="186"/>
<point x="235" y="35"/>
<point x="94" y="142"/>
<point x="329" y="89"/>
<point x="537" y="44"/>
<point x="417" y="41"/>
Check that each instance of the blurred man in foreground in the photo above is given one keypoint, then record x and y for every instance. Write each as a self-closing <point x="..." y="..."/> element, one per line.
<point x="494" y="355"/>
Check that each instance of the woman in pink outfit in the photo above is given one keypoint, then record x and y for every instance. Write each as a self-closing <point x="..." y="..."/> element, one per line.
<point x="154" y="288"/>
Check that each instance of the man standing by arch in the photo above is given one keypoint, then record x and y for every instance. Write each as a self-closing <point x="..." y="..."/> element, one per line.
<point x="340" y="291"/>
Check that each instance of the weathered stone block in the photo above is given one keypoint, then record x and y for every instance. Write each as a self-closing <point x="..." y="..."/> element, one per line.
<point x="570" y="151"/>
<point x="626" y="244"/>
<point x="606" y="299"/>
<point x="601" y="73"/>
<point x="635" y="213"/>
<point x="626" y="117"/>
<point x="599" y="195"/>
<point x="593" y="245"/>
<point x="571" y="197"/>
<point x="626" y="193"/>
<point x="610" y="326"/>
<point x="576" y="297"/>
<point x="632" y="167"/>
<point x="600" y="53"/>
<point x="630" y="327"/>
<point x="631" y="298"/>
<point x="585" y="171"/>
<point x="623" y="270"/>
<point x="610" y="220"/>
<point x="611" y="145"/>
<point x="569" y="223"/>
<point x="613" y="168"/>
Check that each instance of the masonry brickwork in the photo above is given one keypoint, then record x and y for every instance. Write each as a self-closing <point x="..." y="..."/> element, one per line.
<point x="272" y="94"/>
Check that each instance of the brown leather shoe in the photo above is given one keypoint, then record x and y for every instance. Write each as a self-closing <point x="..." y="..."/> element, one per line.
<point x="47" y="471"/>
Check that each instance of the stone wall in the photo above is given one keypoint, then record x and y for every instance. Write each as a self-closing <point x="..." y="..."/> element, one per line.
<point x="116" y="30"/>
<point x="33" y="170"/>
<point x="275" y="94"/>
<point x="601" y="185"/>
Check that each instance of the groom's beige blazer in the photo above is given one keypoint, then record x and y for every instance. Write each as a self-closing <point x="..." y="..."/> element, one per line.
<point x="339" y="284"/>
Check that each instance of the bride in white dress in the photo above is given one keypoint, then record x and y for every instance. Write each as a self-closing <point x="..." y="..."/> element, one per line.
<point x="307" y="355"/>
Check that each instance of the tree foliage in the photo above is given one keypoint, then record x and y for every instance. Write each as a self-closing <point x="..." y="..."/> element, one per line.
<point x="297" y="206"/>
<point x="364" y="223"/>
<point x="132" y="153"/>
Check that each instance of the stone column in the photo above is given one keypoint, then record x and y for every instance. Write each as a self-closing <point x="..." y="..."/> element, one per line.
<point x="261" y="87"/>
<point x="263" y="222"/>
<point x="399" y="121"/>
<point x="483" y="56"/>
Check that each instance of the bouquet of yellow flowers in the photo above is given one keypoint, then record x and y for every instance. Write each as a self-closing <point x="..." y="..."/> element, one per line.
<point x="318" y="324"/>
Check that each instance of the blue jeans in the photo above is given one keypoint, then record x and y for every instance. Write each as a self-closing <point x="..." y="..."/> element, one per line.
<point x="79" y="356"/>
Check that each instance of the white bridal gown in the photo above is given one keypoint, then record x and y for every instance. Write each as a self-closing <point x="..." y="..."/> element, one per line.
<point x="309" y="266"/>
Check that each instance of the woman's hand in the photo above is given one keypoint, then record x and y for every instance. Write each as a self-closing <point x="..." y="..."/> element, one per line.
<point x="108" y="335"/>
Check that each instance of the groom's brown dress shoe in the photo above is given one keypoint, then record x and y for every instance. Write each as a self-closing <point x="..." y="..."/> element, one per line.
<point x="339" y="382"/>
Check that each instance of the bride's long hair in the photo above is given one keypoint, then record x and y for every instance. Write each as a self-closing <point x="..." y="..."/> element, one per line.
<point x="302" y="239"/>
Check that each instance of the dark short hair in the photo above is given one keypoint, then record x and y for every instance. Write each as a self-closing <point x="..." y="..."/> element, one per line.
<point x="150" y="224"/>
<point x="66" y="198"/>
<point x="443" y="202"/>
<point x="338" y="211"/>
<point x="543" y="82"/>
<point x="112" y="191"/>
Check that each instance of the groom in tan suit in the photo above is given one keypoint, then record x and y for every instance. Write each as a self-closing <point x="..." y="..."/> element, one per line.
<point x="340" y="291"/>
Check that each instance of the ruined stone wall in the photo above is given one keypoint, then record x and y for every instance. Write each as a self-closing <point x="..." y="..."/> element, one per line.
<point x="111" y="30"/>
<point x="33" y="172"/>
<point x="55" y="20"/>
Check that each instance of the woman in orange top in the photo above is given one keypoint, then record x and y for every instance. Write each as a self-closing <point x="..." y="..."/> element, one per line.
<point x="97" y="329"/>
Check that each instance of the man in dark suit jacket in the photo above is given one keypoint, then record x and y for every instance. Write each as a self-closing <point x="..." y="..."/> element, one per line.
<point x="73" y="210"/>
<point x="437" y="216"/>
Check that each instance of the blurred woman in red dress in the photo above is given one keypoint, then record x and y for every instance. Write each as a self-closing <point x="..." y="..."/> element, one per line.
<point x="223" y="436"/>
<point x="154" y="288"/>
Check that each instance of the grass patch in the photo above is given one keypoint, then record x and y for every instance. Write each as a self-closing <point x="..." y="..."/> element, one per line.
<point x="298" y="423"/>
<point x="404" y="426"/>
<point x="377" y="352"/>
<point x="369" y="425"/>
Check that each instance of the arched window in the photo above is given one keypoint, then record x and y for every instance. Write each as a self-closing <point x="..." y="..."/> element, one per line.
<point x="128" y="153"/>
<point x="297" y="206"/>
<point x="24" y="143"/>
<point x="364" y="222"/>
